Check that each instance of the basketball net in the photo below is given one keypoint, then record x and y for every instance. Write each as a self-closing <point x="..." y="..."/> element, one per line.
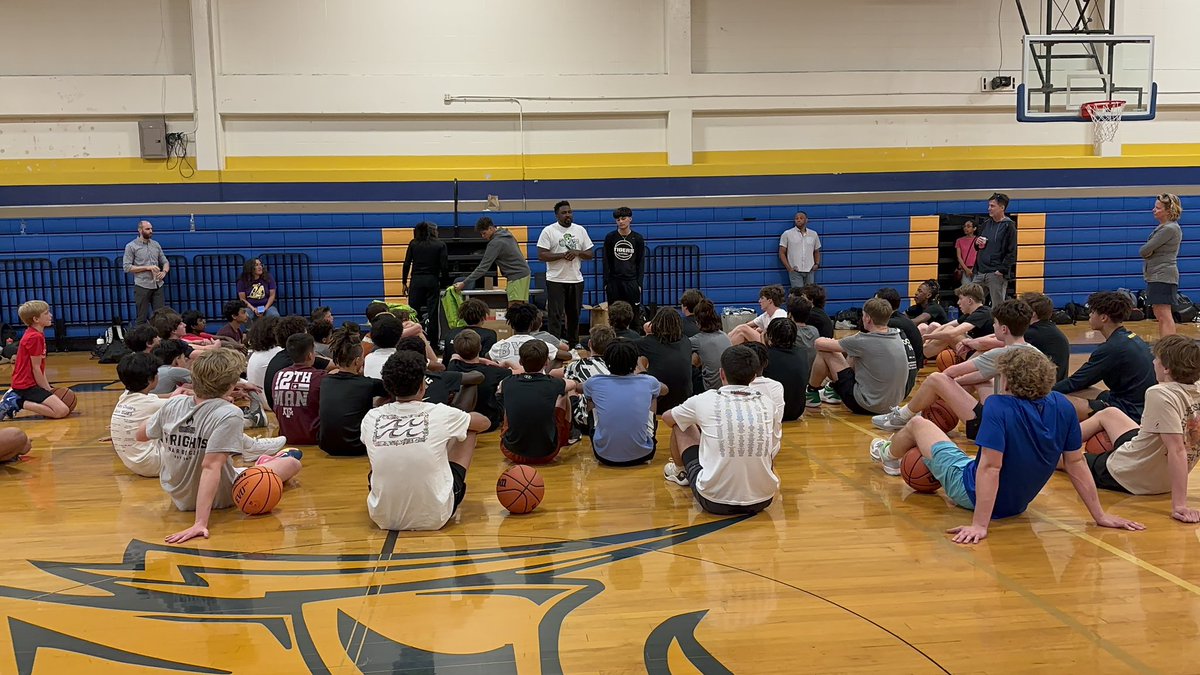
<point x="1106" y="119"/>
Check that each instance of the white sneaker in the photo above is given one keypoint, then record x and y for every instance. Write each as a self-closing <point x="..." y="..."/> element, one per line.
<point x="893" y="421"/>
<point x="879" y="453"/>
<point x="674" y="474"/>
<point x="267" y="445"/>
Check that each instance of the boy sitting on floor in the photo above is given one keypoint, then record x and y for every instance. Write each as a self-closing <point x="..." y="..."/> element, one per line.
<point x="137" y="371"/>
<point x="622" y="402"/>
<point x="721" y="441"/>
<point x="466" y="359"/>
<point x="419" y="451"/>
<point x="868" y="370"/>
<point x="30" y="389"/>
<point x="954" y="386"/>
<point x="1123" y="363"/>
<point x="296" y="392"/>
<point x="1024" y="434"/>
<point x="536" y="422"/>
<point x="199" y="435"/>
<point x="1157" y="457"/>
<point x="770" y="301"/>
<point x="975" y="322"/>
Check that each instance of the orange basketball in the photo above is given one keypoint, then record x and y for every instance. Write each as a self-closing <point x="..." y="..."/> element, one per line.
<point x="940" y="414"/>
<point x="947" y="358"/>
<point x="257" y="490"/>
<point x="520" y="489"/>
<point x="1098" y="444"/>
<point x="67" y="396"/>
<point x="917" y="474"/>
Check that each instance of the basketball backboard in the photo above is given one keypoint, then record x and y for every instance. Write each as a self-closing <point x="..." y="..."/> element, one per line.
<point x="1062" y="72"/>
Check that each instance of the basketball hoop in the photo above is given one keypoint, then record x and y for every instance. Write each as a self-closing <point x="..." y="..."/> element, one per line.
<point x="1106" y="119"/>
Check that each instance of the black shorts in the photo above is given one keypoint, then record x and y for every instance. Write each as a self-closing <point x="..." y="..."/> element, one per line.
<point x="691" y="466"/>
<point x="844" y="386"/>
<point x="1158" y="293"/>
<point x="1106" y="400"/>
<point x="972" y="426"/>
<point x="629" y="462"/>
<point x="1099" y="466"/>
<point x="459" y="472"/>
<point x="34" y="394"/>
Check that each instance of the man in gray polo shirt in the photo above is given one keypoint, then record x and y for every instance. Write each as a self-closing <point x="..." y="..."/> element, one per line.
<point x="144" y="259"/>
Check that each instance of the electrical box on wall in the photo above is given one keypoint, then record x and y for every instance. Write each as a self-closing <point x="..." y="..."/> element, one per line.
<point x="998" y="83"/>
<point x="153" y="134"/>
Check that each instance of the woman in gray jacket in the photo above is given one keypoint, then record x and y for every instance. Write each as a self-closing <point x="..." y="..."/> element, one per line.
<point x="1160" y="254"/>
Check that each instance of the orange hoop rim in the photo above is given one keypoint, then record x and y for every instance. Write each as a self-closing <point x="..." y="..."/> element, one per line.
<point x="1086" y="109"/>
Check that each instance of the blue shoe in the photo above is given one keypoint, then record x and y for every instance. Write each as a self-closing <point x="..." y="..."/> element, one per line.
<point x="10" y="405"/>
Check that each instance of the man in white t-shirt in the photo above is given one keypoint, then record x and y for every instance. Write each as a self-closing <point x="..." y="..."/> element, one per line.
<point x="771" y="302"/>
<point x="419" y="451"/>
<point x="722" y="441"/>
<point x="562" y="245"/>
<point x="139" y="373"/>
<point x="800" y="252"/>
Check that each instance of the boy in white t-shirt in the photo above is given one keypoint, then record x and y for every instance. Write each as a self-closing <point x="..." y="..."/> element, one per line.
<point x="199" y="434"/>
<point x="724" y="443"/>
<point x="419" y="451"/>
<point x="770" y="301"/>
<point x="139" y="372"/>
<point x="1156" y="457"/>
<point x="772" y="389"/>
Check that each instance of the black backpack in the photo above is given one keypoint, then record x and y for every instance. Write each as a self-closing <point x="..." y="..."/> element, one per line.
<point x="1184" y="311"/>
<point x="1062" y="318"/>
<point x="1076" y="311"/>
<point x="852" y="315"/>
<point x="110" y="346"/>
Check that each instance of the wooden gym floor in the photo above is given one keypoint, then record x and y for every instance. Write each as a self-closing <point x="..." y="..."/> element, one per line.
<point x="616" y="572"/>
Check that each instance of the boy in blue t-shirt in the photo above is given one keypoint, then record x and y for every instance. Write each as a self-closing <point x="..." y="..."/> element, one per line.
<point x="623" y="405"/>
<point x="1022" y="437"/>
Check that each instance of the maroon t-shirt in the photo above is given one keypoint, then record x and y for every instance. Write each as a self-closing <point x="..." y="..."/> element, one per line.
<point x="296" y="393"/>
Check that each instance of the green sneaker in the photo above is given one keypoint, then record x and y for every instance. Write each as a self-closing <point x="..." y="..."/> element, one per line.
<point x="828" y="395"/>
<point x="812" y="398"/>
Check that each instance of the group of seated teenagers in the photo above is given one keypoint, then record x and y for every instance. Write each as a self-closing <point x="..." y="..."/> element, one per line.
<point x="355" y="395"/>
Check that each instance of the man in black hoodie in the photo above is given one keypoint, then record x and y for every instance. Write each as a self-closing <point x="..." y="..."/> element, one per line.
<point x="504" y="251"/>
<point x="997" y="244"/>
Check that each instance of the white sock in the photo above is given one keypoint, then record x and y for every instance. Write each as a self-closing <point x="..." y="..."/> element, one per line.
<point x="907" y="413"/>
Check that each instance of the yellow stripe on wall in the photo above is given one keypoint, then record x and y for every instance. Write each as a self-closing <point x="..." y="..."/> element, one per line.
<point x="119" y="171"/>
<point x="1031" y="253"/>
<point x="922" y="250"/>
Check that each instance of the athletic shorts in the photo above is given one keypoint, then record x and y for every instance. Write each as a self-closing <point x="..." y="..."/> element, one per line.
<point x="459" y="472"/>
<point x="1158" y="293"/>
<point x="628" y="462"/>
<point x="1099" y="464"/>
<point x="1107" y="400"/>
<point x="947" y="464"/>
<point x="562" y="421"/>
<point x="691" y="466"/>
<point x="34" y="394"/>
<point x="844" y="385"/>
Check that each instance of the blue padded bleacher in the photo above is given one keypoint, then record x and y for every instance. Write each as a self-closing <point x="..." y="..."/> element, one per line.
<point x="1090" y="244"/>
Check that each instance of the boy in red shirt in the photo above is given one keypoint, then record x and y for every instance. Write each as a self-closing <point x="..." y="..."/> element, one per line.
<point x="30" y="389"/>
<point x="297" y="392"/>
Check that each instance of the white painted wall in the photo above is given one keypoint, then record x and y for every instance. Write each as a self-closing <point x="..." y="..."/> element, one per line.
<point x="777" y="36"/>
<point x="419" y="37"/>
<point x="369" y="77"/>
<point x="446" y="135"/>
<point x="105" y="37"/>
